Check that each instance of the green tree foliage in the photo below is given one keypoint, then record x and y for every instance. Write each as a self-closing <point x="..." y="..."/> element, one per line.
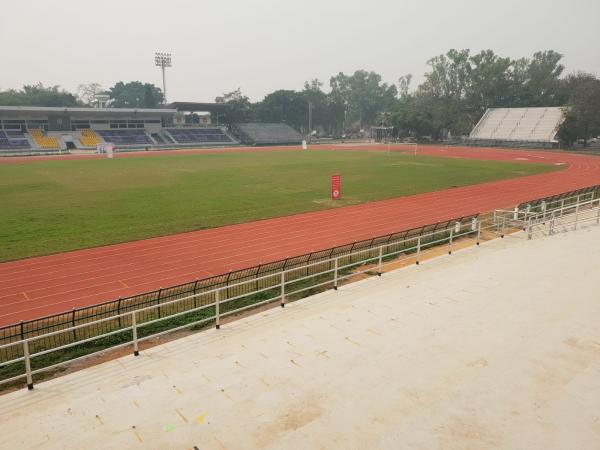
<point x="582" y="120"/>
<point x="412" y="118"/>
<point x="240" y="108"/>
<point x="542" y="85"/>
<point x="324" y="115"/>
<point x="363" y="96"/>
<point x="459" y="87"/>
<point x="37" y="95"/>
<point x="284" y="106"/>
<point x="135" y="94"/>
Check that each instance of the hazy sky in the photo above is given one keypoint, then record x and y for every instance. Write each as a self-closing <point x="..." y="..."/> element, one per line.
<point x="264" y="45"/>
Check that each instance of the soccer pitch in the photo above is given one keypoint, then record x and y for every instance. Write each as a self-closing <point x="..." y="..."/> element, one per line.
<point x="53" y="206"/>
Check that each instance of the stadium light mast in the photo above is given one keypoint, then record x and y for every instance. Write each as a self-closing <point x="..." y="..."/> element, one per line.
<point x="163" y="60"/>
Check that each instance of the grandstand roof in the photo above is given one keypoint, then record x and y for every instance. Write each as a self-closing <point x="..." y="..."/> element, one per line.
<point x="67" y="110"/>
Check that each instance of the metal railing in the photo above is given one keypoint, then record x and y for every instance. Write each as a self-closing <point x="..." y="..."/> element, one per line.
<point x="566" y="218"/>
<point x="540" y="209"/>
<point x="21" y="358"/>
<point x="214" y="305"/>
<point x="114" y="308"/>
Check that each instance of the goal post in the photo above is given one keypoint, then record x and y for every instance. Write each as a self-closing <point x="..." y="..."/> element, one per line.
<point x="403" y="147"/>
<point x="106" y="147"/>
<point x="408" y="147"/>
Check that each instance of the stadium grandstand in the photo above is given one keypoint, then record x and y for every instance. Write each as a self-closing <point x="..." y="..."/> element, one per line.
<point x="517" y="127"/>
<point x="266" y="133"/>
<point x="34" y="130"/>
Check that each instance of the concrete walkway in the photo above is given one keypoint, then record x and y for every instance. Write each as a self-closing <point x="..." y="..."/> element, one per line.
<point x="495" y="347"/>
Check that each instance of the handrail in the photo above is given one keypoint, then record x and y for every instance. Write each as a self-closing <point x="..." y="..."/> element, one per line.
<point x="61" y="320"/>
<point x="580" y="214"/>
<point x="381" y="252"/>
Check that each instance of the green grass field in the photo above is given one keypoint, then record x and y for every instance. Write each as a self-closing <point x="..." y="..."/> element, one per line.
<point x="54" y="206"/>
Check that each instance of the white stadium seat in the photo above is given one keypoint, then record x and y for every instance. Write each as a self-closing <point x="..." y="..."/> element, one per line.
<point x="519" y="124"/>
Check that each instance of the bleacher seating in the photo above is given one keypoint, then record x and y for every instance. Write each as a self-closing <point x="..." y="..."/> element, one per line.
<point x="266" y="133"/>
<point x="198" y="135"/>
<point x="13" y="140"/>
<point x="44" y="141"/>
<point x="89" y="138"/>
<point x="519" y="124"/>
<point x="126" y="137"/>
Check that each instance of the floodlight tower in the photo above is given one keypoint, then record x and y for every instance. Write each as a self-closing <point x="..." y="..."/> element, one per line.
<point x="163" y="60"/>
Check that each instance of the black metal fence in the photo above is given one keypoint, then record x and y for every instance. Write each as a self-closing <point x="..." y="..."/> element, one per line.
<point x="568" y="198"/>
<point x="232" y="282"/>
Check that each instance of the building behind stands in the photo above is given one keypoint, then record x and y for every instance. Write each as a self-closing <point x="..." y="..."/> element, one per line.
<point x="35" y="130"/>
<point x="517" y="127"/>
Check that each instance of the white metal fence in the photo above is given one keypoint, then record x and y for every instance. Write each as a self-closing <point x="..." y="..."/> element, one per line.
<point x="281" y="287"/>
<point x="540" y="211"/>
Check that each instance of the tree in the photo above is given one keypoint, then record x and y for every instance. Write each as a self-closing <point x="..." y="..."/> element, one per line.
<point x="37" y="95"/>
<point x="459" y="87"/>
<point x="284" y="106"/>
<point x="444" y="92"/>
<point x="240" y="109"/>
<point x="582" y="120"/>
<point x="323" y="117"/>
<point x="362" y="95"/>
<point x="86" y="93"/>
<point x="135" y="95"/>
<point x="411" y="118"/>
<point x="404" y="85"/>
<point x="542" y="86"/>
<point x="489" y="84"/>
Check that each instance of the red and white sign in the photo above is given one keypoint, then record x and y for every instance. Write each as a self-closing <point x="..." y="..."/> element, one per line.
<point x="336" y="187"/>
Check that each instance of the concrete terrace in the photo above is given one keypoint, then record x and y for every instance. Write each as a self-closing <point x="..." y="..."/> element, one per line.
<point x="496" y="347"/>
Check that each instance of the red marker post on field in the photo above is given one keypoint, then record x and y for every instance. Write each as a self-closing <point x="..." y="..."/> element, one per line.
<point x="336" y="187"/>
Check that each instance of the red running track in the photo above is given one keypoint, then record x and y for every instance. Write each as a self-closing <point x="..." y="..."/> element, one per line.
<point x="39" y="286"/>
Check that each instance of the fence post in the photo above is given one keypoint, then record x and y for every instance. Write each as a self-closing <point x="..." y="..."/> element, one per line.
<point x="544" y="208"/>
<point x="576" y="213"/>
<point x="73" y="324"/>
<point x="217" y="312"/>
<point x="335" y="273"/>
<point x="379" y="260"/>
<point x="478" y="231"/>
<point x="282" y="289"/>
<point x="27" y="359"/>
<point x="529" y="229"/>
<point x="551" y="225"/>
<point x="503" y="229"/>
<point x="562" y="207"/>
<point x="158" y="302"/>
<point x="450" y="241"/>
<point x="136" y="350"/>
<point x="196" y="293"/>
<point x="23" y="331"/>
<point x="119" y="312"/>
<point x="256" y="276"/>
<point x="418" y="249"/>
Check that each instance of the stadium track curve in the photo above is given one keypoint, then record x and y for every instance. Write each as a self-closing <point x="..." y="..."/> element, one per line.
<point x="36" y="287"/>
